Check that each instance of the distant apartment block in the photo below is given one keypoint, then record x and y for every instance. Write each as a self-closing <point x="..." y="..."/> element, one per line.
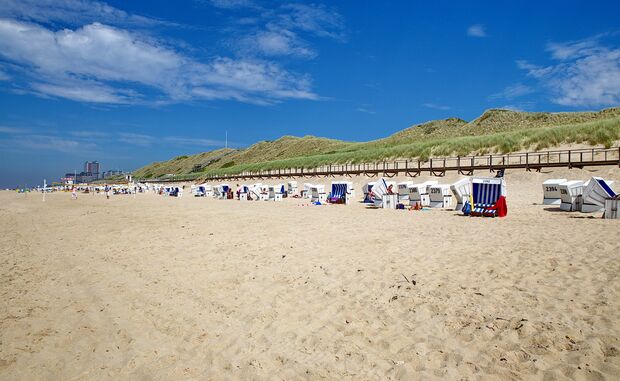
<point x="92" y="167"/>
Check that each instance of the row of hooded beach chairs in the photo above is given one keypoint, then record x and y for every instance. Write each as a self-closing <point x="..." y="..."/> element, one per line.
<point x="594" y="195"/>
<point x="479" y="193"/>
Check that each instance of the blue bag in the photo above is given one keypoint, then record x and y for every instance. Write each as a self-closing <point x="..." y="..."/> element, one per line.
<point x="466" y="208"/>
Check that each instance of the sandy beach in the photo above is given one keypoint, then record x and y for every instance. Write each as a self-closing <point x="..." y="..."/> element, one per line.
<point x="161" y="288"/>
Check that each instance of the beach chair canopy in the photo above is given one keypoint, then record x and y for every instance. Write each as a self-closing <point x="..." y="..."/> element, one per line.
<point x="571" y="189"/>
<point x="569" y="192"/>
<point x="403" y="187"/>
<point x="461" y="189"/>
<point x="367" y="188"/>
<point x="381" y="187"/>
<point x="339" y="189"/>
<point x="597" y="191"/>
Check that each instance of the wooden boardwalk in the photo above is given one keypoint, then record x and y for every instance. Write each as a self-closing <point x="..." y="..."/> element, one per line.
<point x="466" y="165"/>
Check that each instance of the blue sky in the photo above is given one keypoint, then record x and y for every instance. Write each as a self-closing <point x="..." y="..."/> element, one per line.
<point x="131" y="82"/>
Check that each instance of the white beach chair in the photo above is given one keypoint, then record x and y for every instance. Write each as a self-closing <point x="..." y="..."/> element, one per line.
<point x="216" y="191"/>
<point x="380" y="188"/>
<point x="317" y="193"/>
<point x="243" y="192"/>
<point x="571" y="193"/>
<point x="403" y="191"/>
<point x="263" y="193"/>
<point x="254" y="192"/>
<point x="202" y="190"/>
<point x="276" y="192"/>
<point x="418" y="193"/>
<point x="461" y="190"/>
<point x="595" y="194"/>
<point x="224" y="191"/>
<point x="440" y="196"/>
<point x="367" y="189"/>
<point x="389" y="201"/>
<point x="611" y="208"/>
<point x="551" y="191"/>
<point x="292" y="188"/>
<point x="307" y="191"/>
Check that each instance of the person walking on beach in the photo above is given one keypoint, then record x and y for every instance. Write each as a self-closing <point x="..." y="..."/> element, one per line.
<point x="107" y="192"/>
<point x="74" y="194"/>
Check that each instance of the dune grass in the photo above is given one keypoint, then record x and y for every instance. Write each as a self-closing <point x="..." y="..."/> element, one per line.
<point x="603" y="132"/>
<point x="495" y="130"/>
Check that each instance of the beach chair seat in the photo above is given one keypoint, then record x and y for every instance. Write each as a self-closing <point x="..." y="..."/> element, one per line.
<point x="489" y="212"/>
<point x="478" y="209"/>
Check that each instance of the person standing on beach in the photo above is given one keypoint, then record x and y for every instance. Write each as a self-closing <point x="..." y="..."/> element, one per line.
<point x="74" y="194"/>
<point x="107" y="192"/>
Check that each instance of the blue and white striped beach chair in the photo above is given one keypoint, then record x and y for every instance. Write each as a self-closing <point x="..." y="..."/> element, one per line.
<point x="485" y="193"/>
<point x="339" y="192"/>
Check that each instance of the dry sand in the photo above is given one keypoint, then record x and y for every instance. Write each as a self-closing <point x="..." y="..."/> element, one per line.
<point x="163" y="288"/>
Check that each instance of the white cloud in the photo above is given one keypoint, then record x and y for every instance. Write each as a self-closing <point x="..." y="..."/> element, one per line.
<point x="84" y="140"/>
<point x="586" y="73"/>
<point x="148" y="140"/>
<point x="196" y="142"/>
<point x="71" y="64"/>
<point x="89" y="134"/>
<point x="48" y="143"/>
<point x="277" y="43"/>
<point x="366" y="110"/>
<point x="285" y="31"/>
<point x="436" y="106"/>
<point x="512" y="91"/>
<point x="316" y="19"/>
<point x="230" y="4"/>
<point x="136" y="139"/>
<point x="74" y="12"/>
<point x="477" y="30"/>
<point x="11" y="130"/>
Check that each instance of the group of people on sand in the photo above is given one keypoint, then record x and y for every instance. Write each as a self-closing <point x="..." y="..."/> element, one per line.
<point x="107" y="190"/>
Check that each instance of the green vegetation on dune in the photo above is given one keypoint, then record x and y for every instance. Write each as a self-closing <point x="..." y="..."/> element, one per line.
<point x="494" y="131"/>
<point x="283" y="148"/>
<point x="604" y="132"/>
<point x="183" y="164"/>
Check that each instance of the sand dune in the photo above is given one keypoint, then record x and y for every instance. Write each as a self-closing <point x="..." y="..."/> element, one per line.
<point x="163" y="288"/>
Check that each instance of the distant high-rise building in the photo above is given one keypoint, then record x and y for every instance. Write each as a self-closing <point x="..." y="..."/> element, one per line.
<point x="92" y="167"/>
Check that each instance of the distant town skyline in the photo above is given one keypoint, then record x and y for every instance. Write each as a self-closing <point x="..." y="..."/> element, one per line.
<point x="201" y="74"/>
<point x="90" y="173"/>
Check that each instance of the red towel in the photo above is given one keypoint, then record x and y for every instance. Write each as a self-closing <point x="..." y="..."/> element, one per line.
<point x="501" y="207"/>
